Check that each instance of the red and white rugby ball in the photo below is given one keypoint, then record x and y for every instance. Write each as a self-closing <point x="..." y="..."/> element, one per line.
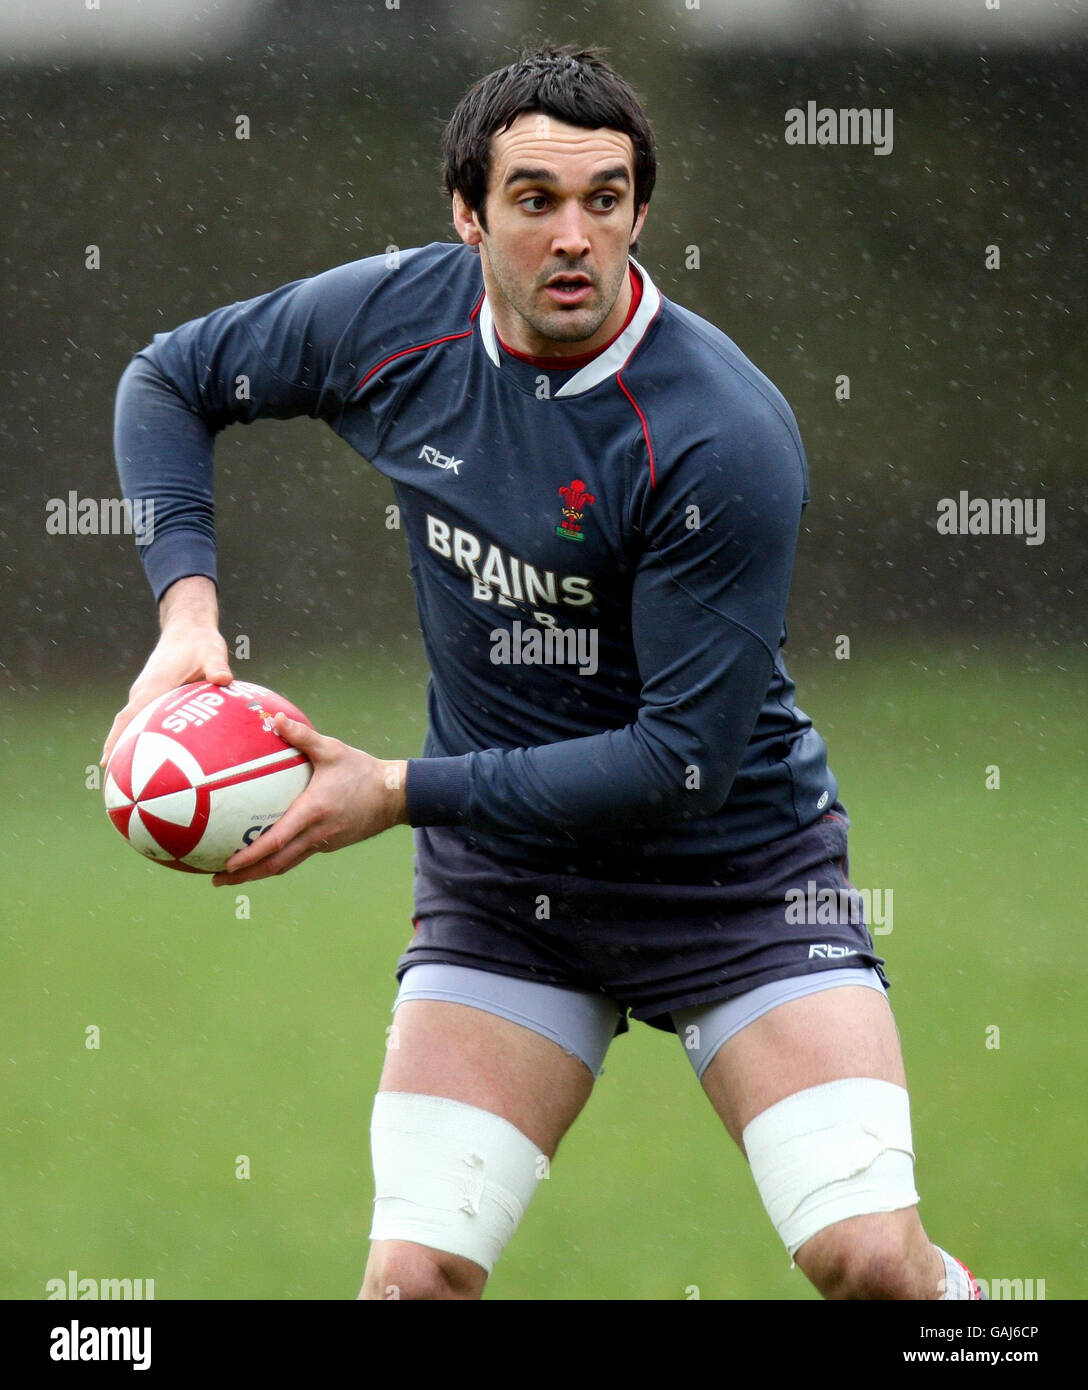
<point x="200" y="773"/>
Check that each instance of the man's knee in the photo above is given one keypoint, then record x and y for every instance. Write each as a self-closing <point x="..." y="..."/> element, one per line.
<point x="835" y="1168"/>
<point x="400" y="1269"/>
<point x="883" y="1256"/>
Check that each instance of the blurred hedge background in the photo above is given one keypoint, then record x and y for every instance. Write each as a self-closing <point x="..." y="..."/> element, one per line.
<point x="264" y="1034"/>
<point x="818" y="261"/>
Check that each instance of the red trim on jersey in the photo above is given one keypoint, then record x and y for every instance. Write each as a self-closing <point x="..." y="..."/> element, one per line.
<point x="645" y="428"/>
<point x="559" y="364"/>
<point x="620" y="383"/>
<point x="419" y="347"/>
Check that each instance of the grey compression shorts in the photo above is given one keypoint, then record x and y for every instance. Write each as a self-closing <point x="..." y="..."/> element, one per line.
<point x="584" y="1024"/>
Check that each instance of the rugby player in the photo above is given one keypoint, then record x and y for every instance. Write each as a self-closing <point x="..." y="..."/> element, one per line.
<point x="618" y="794"/>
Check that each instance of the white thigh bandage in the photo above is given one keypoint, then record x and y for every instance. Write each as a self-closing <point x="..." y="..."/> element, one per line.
<point x="833" y="1151"/>
<point x="449" y="1176"/>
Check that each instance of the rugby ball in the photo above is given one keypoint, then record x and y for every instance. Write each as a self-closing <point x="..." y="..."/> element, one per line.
<point x="200" y="773"/>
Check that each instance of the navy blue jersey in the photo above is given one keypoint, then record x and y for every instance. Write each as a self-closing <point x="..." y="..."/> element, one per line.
<point x="601" y="555"/>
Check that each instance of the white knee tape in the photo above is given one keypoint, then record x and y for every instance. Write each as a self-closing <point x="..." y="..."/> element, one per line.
<point x="449" y="1176"/>
<point x="831" y="1152"/>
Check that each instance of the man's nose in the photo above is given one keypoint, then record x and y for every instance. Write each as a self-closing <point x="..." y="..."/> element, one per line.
<point x="570" y="232"/>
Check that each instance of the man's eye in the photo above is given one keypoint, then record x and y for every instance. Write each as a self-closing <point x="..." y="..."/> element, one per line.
<point x="611" y="200"/>
<point x="534" y="198"/>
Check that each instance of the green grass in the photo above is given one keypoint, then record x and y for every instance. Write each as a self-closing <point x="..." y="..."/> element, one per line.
<point x="264" y="1037"/>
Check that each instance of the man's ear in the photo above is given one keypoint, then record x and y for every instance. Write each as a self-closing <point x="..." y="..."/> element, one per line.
<point x="637" y="228"/>
<point x="466" y="222"/>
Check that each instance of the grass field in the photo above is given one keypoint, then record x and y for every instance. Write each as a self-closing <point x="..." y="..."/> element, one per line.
<point x="264" y="1037"/>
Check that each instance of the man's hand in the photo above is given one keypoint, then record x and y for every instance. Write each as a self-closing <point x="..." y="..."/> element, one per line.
<point x="351" y="797"/>
<point x="190" y="649"/>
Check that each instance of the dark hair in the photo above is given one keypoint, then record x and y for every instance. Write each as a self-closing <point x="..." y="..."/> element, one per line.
<point x="570" y="84"/>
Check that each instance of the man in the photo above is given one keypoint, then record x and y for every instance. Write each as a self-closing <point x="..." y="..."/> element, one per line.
<point x="618" y="797"/>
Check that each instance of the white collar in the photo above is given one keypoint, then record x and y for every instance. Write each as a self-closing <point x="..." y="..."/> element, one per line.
<point x="606" y="363"/>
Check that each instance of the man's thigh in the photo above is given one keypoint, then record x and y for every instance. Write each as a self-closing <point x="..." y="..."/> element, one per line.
<point x="828" y="1036"/>
<point x="478" y="1058"/>
<point x="875" y="1245"/>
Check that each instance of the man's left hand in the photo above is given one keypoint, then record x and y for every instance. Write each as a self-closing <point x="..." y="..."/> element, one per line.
<point x="351" y="796"/>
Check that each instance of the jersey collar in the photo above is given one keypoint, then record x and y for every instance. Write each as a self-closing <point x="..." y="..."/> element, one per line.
<point x="607" y="362"/>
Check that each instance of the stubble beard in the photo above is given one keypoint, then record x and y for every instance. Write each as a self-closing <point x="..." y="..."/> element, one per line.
<point x="557" y="325"/>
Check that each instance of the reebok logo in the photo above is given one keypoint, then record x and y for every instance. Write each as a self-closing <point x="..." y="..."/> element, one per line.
<point x="440" y="460"/>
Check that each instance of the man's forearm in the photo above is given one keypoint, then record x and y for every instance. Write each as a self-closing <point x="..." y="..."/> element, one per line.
<point x="661" y="768"/>
<point x="164" y="450"/>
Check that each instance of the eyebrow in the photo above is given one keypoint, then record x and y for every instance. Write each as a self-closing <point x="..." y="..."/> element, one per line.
<point x="617" y="174"/>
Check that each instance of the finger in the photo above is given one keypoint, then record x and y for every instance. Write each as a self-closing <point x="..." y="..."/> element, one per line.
<point x="137" y="701"/>
<point x="301" y="736"/>
<point x="111" y="739"/>
<point x="120" y="722"/>
<point x="216" y="669"/>
<point x="298" y="820"/>
<point x="289" y="857"/>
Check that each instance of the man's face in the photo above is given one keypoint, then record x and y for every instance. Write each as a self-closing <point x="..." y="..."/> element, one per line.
<point x="560" y="222"/>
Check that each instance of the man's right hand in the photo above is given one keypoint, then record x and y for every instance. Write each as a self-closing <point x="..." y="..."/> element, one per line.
<point x="191" y="648"/>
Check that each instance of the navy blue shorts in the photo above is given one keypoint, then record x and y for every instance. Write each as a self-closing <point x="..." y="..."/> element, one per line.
<point x="652" y="947"/>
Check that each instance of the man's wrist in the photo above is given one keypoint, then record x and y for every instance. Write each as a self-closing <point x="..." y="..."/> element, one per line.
<point x="193" y="600"/>
<point x="395" y="776"/>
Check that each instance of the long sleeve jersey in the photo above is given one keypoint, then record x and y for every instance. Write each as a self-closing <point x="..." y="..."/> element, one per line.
<point x="601" y="555"/>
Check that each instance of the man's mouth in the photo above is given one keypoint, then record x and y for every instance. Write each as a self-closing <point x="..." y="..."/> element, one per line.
<point x="569" y="289"/>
